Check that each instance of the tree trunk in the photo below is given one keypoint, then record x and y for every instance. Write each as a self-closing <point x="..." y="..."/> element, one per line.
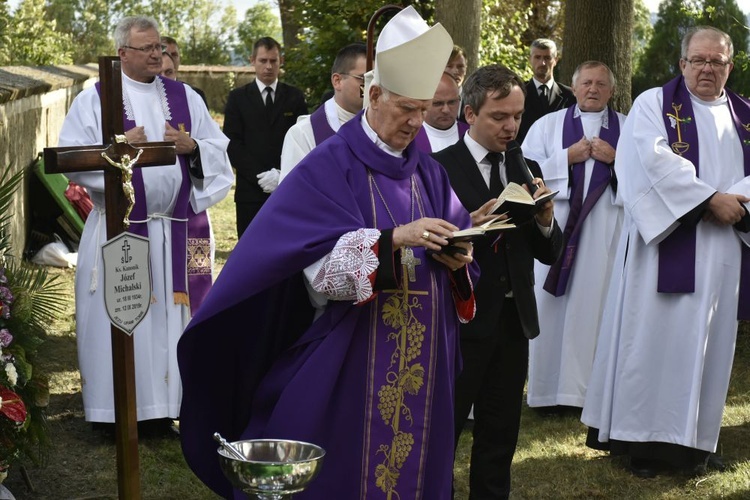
<point x="290" y="23"/>
<point x="462" y="19"/>
<point x="595" y="32"/>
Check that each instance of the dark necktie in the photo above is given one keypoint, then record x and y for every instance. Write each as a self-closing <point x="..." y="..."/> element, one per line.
<point x="269" y="99"/>
<point x="543" y="95"/>
<point x="496" y="185"/>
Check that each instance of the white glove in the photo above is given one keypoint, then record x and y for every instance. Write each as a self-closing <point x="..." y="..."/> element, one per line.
<point x="269" y="180"/>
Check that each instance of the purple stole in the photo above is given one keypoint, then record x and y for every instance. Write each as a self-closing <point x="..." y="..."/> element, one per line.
<point x="677" y="251"/>
<point x="422" y="140"/>
<point x="559" y="273"/>
<point x="319" y="121"/>
<point x="191" y="250"/>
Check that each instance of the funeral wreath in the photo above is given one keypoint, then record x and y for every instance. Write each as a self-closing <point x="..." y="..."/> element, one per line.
<point x="29" y="299"/>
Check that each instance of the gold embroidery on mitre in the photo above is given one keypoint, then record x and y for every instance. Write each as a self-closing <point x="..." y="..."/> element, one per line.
<point x="198" y="256"/>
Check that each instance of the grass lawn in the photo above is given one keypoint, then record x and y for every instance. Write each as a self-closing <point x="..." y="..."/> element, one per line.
<point x="551" y="462"/>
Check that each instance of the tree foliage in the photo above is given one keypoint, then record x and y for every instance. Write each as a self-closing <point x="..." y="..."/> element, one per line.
<point x="78" y="31"/>
<point x="659" y="62"/>
<point x="35" y="39"/>
<point x="260" y="20"/>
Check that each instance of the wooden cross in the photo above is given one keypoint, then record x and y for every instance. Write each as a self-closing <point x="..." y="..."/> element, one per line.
<point x="90" y="158"/>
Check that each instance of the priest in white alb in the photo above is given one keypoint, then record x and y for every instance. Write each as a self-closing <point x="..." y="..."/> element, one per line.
<point x="575" y="148"/>
<point x="348" y="81"/>
<point x="682" y="272"/>
<point x="170" y="209"/>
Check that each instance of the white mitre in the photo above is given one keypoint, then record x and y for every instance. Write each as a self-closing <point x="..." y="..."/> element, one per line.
<point x="410" y="57"/>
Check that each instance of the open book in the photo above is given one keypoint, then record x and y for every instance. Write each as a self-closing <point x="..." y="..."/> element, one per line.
<point x="473" y="233"/>
<point x="519" y="204"/>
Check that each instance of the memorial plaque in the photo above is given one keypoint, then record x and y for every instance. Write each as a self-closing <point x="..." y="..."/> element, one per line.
<point x="127" y="280"/>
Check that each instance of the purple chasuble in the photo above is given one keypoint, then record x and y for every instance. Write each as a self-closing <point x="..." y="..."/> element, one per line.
<point x="677" y="251"/>
<point x="559" y="273"/>
<point x="319" y="121"/>
<point x="370" y="383"/>
<point x="191" y="240"/>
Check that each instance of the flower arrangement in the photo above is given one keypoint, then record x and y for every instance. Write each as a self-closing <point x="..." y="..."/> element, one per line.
<point x="29" y="300"/>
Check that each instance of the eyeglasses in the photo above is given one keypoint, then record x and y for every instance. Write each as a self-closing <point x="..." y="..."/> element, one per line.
<point x="701" y="63"/>
<point x="148" y="49"/>
<point x="440" y="104"/>
<point x="361" y="78"/>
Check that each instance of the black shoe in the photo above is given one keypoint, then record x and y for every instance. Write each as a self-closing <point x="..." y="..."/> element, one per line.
<point x="643" y="468"/>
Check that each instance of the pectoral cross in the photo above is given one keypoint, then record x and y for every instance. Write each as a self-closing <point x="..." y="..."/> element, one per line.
<point x="110" y="157"/>
<point x="408" y="260"/>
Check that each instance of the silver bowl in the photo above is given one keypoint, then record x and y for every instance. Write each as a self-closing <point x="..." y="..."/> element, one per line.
<point x="273" y="469"/>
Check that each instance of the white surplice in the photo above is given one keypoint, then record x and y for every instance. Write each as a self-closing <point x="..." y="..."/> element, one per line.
<point x="561" y="357"/>
<point x="662" y="365"/>
<point x="300" y="138"/>
<point x="158" y="388"/>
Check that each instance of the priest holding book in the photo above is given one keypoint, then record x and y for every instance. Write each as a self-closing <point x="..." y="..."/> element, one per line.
<point x="495" y="345"/>
<point x="371" y="379"/>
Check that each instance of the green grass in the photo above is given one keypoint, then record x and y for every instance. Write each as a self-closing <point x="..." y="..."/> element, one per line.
<point x="551" y="461"/>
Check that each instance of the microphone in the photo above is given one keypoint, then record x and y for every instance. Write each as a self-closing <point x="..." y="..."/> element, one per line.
<point x="514" y="156"/>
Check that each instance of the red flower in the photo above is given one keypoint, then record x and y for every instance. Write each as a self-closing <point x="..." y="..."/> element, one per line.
<point x="11" y="405"/>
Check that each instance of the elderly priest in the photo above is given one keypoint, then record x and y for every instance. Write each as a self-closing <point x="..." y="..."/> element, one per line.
<point x="363" y="218"/>
<point x="170" y="209"/>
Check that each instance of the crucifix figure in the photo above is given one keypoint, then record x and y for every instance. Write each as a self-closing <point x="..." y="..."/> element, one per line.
<point x="110" y="157"/>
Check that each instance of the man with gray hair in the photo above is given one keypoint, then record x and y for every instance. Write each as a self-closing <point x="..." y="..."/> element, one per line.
<point x="575" y="148"/>
<point x="662" y="365"/>
<point x="362" y="219"/>
<point x="170" y="209"/>
<point x="543" y="94"/>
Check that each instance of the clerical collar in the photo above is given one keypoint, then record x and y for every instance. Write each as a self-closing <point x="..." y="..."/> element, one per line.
<point x="262" y="86"/>
<point x="398" y="153"/>
<point x="602" y="115"/>
<point x="436" y="132"/>
<point x="719" y="101"/>
<point x="129" y="85"/>
<point x="342" y="115"/>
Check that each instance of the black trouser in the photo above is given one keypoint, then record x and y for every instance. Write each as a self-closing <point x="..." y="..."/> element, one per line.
<point x="493" y="377"/>
<point x="246" y="212"/>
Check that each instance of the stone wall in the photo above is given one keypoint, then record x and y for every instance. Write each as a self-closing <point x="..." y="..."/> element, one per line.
<point x="216" y="81"/>
<point x="33" y="104"/>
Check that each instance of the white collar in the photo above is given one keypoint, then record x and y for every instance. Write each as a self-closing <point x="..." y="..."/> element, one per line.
<point x="262" y="86"/>
<point x="398" y="153"/>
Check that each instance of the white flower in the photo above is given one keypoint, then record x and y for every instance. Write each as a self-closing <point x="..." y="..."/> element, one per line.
<point x="1" y="401"/>
<point x="10" y="371"/>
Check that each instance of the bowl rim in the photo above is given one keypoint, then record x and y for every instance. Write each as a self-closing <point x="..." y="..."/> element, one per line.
<point x="320" y="449"/>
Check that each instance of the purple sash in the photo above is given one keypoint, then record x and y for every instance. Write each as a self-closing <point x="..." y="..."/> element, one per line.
<point x="559" y="273"/>
<point x="677" y="251"/>
<point x="191" y="262"/>
<point x="321" y="129"/>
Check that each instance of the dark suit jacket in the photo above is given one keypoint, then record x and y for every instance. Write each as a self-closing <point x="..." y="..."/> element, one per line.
<point x="560" y="97"/>
<point x="257" y="134"/>
<point x="521" y="245"/>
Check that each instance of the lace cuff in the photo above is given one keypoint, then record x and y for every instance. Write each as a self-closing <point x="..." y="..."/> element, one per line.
<point x="344" y="274"/>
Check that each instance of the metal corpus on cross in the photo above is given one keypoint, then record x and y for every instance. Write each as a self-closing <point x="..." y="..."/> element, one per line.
<point x="110" y="157"/>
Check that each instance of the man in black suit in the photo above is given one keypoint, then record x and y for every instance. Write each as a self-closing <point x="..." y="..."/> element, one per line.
<point x="256" y="119"/>
<point x="543" y="94"/>
<point x="495" y="344"/>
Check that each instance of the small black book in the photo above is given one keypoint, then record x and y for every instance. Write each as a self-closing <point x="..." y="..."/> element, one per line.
<point x="518" y="204"/>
